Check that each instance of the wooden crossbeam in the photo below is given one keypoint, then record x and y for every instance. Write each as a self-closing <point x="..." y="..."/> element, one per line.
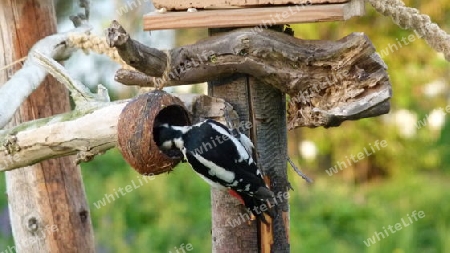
<point x="220" y="4"/>
<point x="246" y="17"/>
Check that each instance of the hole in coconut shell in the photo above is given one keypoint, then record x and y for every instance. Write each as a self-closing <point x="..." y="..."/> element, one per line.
<point x="173" y="115"/>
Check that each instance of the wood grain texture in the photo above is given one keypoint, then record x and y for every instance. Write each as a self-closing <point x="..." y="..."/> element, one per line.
<point x="84" y="133"/>
<point x="47" y="203"/>
<point x="135" y="53"/>
<point x="264" y="17"/>
<point x="185" y="4"/>
<point x="264" y="107"/>
<point x="226" y="209"/>
<point x="328" y="81"/>
<point x="269" y="133"/>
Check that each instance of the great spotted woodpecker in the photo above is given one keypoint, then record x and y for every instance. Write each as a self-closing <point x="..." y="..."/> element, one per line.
<point x="223" y="158"/>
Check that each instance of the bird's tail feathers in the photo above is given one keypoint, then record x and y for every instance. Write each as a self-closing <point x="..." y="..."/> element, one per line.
<point x="261" y="203"/>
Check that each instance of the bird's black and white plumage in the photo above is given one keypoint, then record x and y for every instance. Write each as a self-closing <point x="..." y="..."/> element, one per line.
<point x="221" y="158"/>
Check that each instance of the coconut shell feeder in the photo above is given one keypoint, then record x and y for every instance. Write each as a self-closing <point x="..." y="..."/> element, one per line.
<point x="135" y="131"/>
<point x="256" y="69"/>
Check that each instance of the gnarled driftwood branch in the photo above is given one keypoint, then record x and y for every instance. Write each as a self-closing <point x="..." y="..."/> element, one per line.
<point x="328" y="81"/>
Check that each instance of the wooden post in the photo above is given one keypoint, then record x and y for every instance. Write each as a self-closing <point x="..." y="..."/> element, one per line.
<point x="265" y="107"/>
<point x="47" y="202"/>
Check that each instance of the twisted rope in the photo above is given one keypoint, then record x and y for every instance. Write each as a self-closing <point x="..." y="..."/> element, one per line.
<point x="98" y="45"/>
<point x="410" y="18"/>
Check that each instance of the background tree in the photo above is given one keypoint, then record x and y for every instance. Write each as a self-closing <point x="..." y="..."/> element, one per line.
<point x="47" y="204"/>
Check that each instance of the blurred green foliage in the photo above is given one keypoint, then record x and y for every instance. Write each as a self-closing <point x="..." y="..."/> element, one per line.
<point x="335" y="213"/>
<point x="327" y="216"/>
<point x="151" y="217"/>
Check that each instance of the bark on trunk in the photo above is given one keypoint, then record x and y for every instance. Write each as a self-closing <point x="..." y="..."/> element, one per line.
<point x="264" y="107"/>
<point x="226" y="211"/>
<point x="47" y="202"/>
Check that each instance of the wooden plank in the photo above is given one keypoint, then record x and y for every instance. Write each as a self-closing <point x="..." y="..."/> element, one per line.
<point x="215" y="4"/>
<point x="260" y="17"/>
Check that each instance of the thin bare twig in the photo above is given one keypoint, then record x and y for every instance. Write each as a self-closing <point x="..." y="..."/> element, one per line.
<point x="299" y="172"/>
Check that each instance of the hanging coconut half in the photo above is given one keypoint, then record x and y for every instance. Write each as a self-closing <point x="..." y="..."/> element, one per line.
<point x="136" y="141"/>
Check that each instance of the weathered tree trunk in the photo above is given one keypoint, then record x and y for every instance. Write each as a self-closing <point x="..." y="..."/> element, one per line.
<point x="270" y="137"/>
<point x="47" y="202"/>
<point x="225" y="209"/>
<point x="265" y="107"/>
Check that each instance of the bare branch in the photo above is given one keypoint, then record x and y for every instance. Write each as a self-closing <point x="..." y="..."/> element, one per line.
<point x="133" y="77"/>
<point x="328" y="81"/>
<point x="27" y="79"/>
<point x="134" y="53"/>
<point x="86" y="131"/>
<point x="298" y="171"/>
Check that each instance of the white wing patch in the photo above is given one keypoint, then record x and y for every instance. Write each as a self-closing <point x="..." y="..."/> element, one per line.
<point x="212" y="183"/>
<point x="247" y="143"/>
<point x="217" y="171"/>
<point x="182" y="129"/>
<point x="242" y="151"/>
